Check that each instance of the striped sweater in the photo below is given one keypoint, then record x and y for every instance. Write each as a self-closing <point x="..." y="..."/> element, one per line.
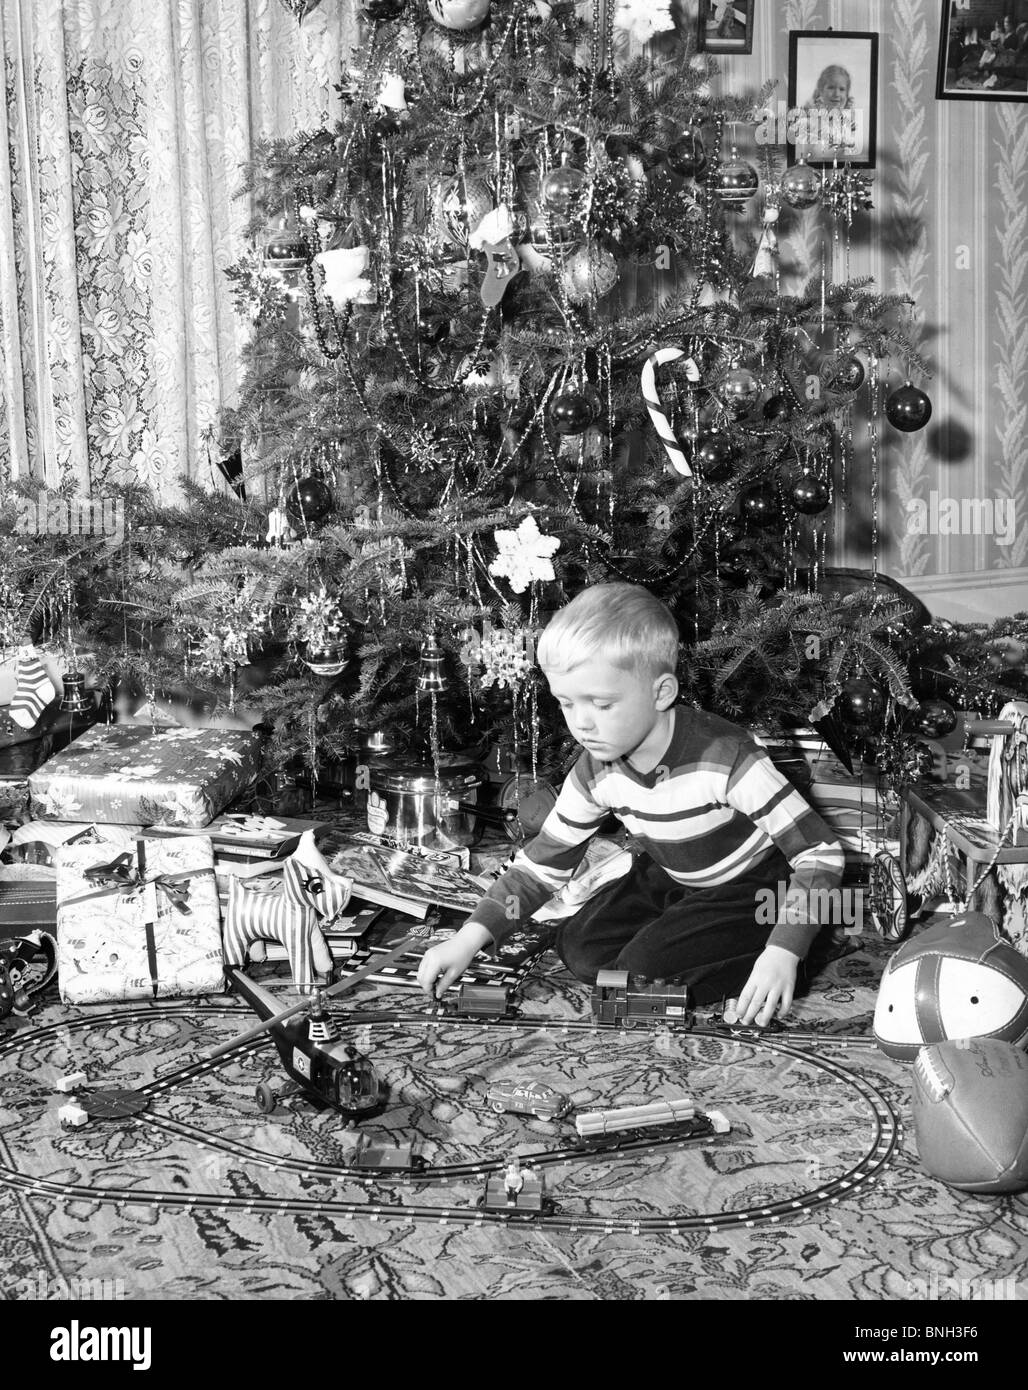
<point x="712" y="809"/>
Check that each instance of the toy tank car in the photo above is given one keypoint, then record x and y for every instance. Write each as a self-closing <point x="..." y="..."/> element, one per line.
<point x="482" y="1001"/>
<point x="623" y="1000"/>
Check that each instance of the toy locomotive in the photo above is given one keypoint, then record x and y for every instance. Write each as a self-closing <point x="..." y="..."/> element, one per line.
<point x="627" y="1000"/>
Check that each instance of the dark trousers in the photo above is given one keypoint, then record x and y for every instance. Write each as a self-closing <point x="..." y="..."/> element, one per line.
<point x="649" y="925"/>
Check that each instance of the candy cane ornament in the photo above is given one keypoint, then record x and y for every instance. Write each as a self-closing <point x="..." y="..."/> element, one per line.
<point x="650" y="395"/>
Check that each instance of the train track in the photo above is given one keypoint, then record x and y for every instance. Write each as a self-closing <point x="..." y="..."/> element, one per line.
<point x="885" y="1138"/>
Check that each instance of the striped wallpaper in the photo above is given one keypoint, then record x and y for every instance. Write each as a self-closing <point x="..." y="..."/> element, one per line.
<point x="949" y="228"/>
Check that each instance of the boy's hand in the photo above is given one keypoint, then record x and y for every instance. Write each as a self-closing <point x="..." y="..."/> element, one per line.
<point x="443" y="964"/>
<point x="770" y="987"/>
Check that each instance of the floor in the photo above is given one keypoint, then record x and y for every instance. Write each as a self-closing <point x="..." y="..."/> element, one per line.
<point x="814" y="1194"/>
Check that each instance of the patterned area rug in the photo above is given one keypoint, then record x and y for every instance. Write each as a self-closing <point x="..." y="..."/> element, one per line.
<point x="799" y="1126"/>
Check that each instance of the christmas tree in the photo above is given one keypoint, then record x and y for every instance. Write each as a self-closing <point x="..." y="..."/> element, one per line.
<point x="517" y="327"/>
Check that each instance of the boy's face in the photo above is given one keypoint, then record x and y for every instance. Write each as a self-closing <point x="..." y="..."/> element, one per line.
<point x="610" y="711"/>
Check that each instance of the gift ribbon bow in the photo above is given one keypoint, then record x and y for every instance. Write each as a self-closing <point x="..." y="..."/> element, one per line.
<point x="128" y="880"/>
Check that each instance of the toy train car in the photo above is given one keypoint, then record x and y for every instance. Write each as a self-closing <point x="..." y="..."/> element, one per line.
<point x="395" y="1157"/>
<point x="482" y="1001"/>
<point x="624" y="1000"/>
<point x="658" y="1115"/>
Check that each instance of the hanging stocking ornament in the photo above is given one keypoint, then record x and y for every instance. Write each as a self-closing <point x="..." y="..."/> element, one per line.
<point x="493" y="236"/>
<point x="33" y="689"/>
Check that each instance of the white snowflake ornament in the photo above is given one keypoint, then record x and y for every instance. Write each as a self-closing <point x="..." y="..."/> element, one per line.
<point x="524" y="555"/>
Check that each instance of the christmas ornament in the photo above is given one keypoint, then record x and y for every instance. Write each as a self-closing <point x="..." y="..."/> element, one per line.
<point x="381" y="10"/>
<point x="652" y="398"/>
<point x="460" y="15"/>
<point x="571" y="412"/>
<point x="759" y="505"/>
<point x="465" y="203"/>
<point x="765" y="261"/>
<point x="861" y="701"/>
<point x="936" y="718"/>
<point x="687" y="157"/>
<point x="809" y="495"/>
<point x="908" y="408"/>
<point x="740" y="388"/>
<point x="493" y="237"/>
<point x="300" y="9"/>
<point x="391" y="95"/>
<point x="714" y="457"/>
<point x="524" y="556"/>
<point x="642" y="19"/>
<point x="309" y="501"/>
<point x="323" y="661"/>
<point x="284" y="248"/>
<point x="801" y="187"/>
<point x="231" y="469"/>
<point x="432" y="676"/>
<point x="344" y="274"/>
<point x="560" y="189"/>
<point x="503" y="657"/>
<point x="279" y="531"/>
<point x="592" y="270"/>
<point x="737" y="182"/>
<point x="480" y="374"/>
<point x="75" y="700"/>
<point x="844" y="373"/>
<point x="777" y="408"/>
<point x="33" y="688"/>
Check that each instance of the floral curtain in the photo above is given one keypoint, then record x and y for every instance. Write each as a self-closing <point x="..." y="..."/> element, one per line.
<point x="125" y="127"/>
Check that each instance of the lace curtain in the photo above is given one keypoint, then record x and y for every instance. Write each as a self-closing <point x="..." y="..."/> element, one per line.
<point x="125" y="127"/>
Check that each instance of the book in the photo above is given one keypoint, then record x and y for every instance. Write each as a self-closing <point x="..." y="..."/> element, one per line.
<point x="238" y="837"/>
<point x="397" y="878"/>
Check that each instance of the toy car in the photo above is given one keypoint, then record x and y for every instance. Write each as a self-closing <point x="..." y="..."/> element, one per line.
<point x="528" y="1098"/>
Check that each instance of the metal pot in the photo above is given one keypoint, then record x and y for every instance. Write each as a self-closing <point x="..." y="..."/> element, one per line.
<point x="408" y="804"/>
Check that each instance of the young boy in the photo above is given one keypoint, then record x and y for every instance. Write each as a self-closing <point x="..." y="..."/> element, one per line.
<point x="712" y="820"/>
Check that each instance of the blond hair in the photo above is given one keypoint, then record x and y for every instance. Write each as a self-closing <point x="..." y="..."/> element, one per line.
<point x="624" y="623"/>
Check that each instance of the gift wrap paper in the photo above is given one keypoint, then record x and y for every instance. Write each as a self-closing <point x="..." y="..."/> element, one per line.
<point x="108" y="946"/>
<point x="128" y="774"/>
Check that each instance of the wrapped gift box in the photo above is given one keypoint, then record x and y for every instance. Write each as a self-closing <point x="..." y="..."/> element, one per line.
<point x="138" y="924"/>
<point x="125" y="773"/>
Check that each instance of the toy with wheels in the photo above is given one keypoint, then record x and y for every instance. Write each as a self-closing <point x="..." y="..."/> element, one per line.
<point x="887" y="897"/>
<point x="970" y="1106"/>
<point x="958" y="979"/>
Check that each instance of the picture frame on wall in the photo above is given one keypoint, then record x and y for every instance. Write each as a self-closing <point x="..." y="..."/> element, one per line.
<point x="725" y="26"/>
<point x="982" y="61"/>
<point x="833" y="97"/>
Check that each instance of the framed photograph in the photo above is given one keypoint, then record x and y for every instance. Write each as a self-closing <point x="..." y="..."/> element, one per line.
<point x="983" y="57"/>
<point x="833" y="97"/>
<point x="725" y="26"/>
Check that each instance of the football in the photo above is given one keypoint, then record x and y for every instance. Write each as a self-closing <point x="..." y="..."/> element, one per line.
<point x="957" y="979"/>
<point x="970" y="1107"/>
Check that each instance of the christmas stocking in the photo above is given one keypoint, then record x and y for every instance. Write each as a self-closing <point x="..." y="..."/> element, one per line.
<point x="33" y="688"/>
